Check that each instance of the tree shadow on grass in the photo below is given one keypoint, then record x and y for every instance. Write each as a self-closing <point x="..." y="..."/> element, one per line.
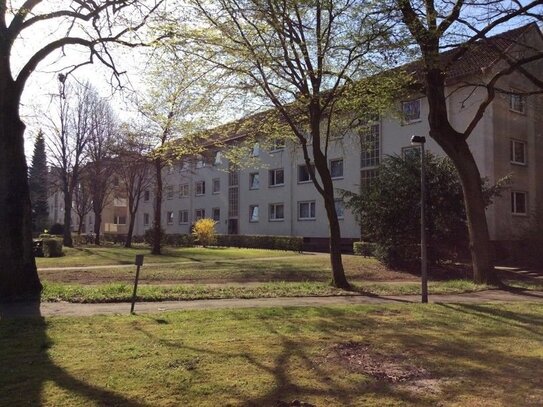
<point x="25" y="364"/>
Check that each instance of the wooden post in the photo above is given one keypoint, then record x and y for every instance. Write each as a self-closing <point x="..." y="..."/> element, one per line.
<point x="139" y="263"/>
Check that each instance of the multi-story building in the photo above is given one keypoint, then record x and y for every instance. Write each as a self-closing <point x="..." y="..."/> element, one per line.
<point x="276" y="197"/>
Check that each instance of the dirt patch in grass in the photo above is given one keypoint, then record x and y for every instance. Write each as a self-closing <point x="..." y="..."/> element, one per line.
<point x="362" y="358"/>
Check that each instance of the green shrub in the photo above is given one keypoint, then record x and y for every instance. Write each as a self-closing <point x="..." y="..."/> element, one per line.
<point x="293" y="243"/>
<point x="149" y="234"/>
<point x="179" y="240"/>
<point x="52" y="248"/>
<point x="204" y="231"/>
<point x="397" y="256"/>
<point x="366" y="249"/>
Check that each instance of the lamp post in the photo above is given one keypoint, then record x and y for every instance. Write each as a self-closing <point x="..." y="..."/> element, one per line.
<point x="419" y="141"/>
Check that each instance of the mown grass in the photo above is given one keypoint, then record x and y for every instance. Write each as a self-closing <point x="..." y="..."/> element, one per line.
<point x="111" y="255"/>
<point x="123" y="292"/>
<point x="473" y="355"/>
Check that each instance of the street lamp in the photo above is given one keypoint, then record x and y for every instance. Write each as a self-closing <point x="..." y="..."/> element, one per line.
<point x="419" y="141"/>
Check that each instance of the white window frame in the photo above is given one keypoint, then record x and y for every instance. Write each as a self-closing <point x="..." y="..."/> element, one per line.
<point x="169" y="217"/>
<point x="251" y="213"/>
<point x="117" y="219"/>
<point x="342" y="168"/>
<point x="517" y="99"/>
<point x="202" y="189"/>
<point x="213" y="181"/>
<point x="213" y="214"/>
<point x="407" y="120"/>
<point x="274" y="172"/>
<point x="311" y="204"/>
<point x="183" y="213"/>
<point x="301" y="181"/>
<point x="513" y="143"/>
<point x="514" y="210"/>
<point x="251" y="179"/>
<point x="273" y="212"/>
<point x="184" y="191"/>
<point x="255" y="152"/>
<point x="202" y="213"/>
<point x="338" y="202"/>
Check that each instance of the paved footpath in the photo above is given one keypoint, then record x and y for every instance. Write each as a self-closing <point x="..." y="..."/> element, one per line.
<point x="68" y="309"/>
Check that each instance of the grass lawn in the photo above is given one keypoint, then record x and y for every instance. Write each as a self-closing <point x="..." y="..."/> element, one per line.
<point x="109" y="255"/>
<point x="394" y="355"/>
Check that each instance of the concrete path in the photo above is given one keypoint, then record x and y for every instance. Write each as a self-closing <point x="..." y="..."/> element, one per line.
<point x="68" y="309"/>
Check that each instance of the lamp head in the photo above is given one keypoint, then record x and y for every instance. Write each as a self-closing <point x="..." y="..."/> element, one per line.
<point x="418" y="140"/>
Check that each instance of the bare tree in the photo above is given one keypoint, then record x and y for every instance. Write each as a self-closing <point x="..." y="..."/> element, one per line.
<point x="134" y="169"/>
<point x="92" y="25"/>
<point x="301" y="57"/>
<point x="465" y="27"/>
<point x="100" y="168"/>
<point x="67" y="144"/>
<point x="82" y="202"/>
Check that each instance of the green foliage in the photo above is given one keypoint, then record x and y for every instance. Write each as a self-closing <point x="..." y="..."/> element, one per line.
<point x="204" y="231"/>
<point x="365" y="249"/>
<point x="52" y="247"/>
<point x="291" y="243"/>
<point x="179" y="240"/>
<point x="37" y="184"/>
<point x="389" y="210"/>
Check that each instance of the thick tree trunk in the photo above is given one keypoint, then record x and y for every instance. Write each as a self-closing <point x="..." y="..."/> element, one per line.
<point x="128" y="242"/>
<point x="18" y="275"/>
<point x="456" y="147"/>
<point x="97" y="225"/>
<point x="67" y="235"/>
<point x="157" y="232"/>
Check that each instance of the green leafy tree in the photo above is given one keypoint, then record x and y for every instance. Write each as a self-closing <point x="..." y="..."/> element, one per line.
<point x="38" y="185"/>
<point x="388" y="209"/>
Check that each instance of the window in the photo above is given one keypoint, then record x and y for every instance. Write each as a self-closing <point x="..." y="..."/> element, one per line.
<point x="146" y="195"/>
<point x="216" y="214"/>
<point x="518" y="152"/>
<point x="366" y="178"/>
<point x="256" y="150"/>
<point x="303" y="173"/>
<point x="185" y="165"/>
<point x="183" y="217"/>
<point x="169" y="218"/>
<point x="200" y="162"/>
<point x="411" y="111"/>
<point x="253" y="213"/>
<point x="216" y="186"/>
<point x="183" y="190"/>
<point x="277" y="177"/>
<point x="306" y="210"/>
<point x="371" y="147"/>
<point x="169" y="192"/>
<point x="517" y="102"/>
<point x="336" y="168"/>
<point x="277" y="212"/>
<point x="411" y="152"/>
<point x="254" y="180"/>
<point x="119" y="220"/>
<point x="278" y="144"/>
<point x="340" y="208"/>
<point x="200" y="214"/>
<point x="233" y="202"/>
<point x="145" y="219"/>
<point x="200" y="188"/>
<point x="518" y="203"/>
<point x="218" y="158"/>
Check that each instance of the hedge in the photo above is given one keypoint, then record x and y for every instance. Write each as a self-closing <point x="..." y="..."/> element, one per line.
<point x="366" y="249"/>
<point x="293" y="243"/>
<point x="52" y="248"/>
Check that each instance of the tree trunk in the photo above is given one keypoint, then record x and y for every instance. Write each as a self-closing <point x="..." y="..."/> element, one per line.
<point x="97" y="225"/>
<point x="157" y="232"/>
<point x="18" y="274"/>
<point x="480" y="245"/>
<point x="67" y="234"/>
<point x="132" y="221"/>
<point x="80" y="226"/>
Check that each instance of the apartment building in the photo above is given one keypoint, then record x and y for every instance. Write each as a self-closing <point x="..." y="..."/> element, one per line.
<point x="276" y="197"/>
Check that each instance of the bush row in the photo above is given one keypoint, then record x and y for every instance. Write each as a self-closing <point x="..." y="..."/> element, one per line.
<point x="366" y="249"/>
<point x="48" y="247"/>
<point x="171" y="239"/>
<point x="293" y="243"/>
